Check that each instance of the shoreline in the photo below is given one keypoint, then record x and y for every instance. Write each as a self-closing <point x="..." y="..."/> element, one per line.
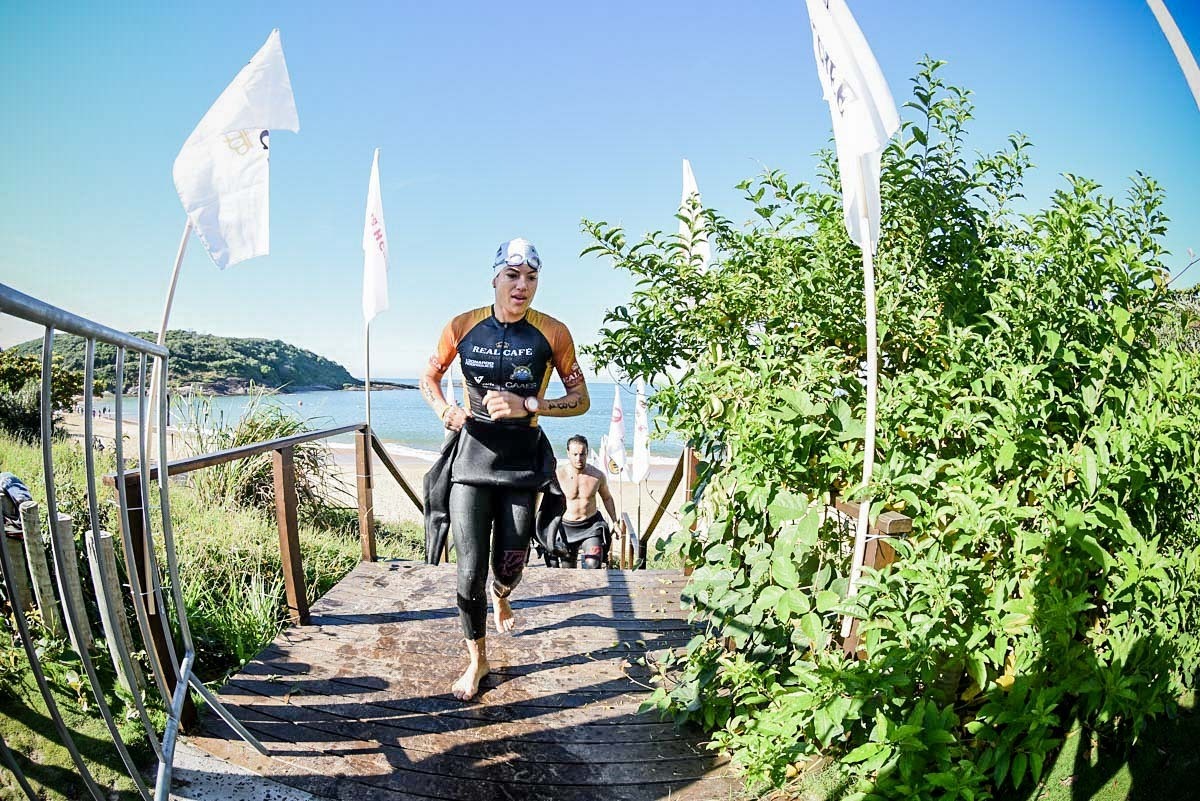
<point x="391" y="504"/>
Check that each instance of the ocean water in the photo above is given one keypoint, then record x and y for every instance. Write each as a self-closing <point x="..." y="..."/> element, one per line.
<point x="401" y="416"/>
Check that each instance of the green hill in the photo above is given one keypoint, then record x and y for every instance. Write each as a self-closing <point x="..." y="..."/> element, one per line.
<point x="212" y="364"/>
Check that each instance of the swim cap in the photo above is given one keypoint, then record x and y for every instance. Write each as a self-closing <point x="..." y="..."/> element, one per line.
<point x="516" y="252"/>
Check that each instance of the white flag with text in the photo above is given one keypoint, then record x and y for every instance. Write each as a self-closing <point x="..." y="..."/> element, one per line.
<point x="222" y="172"/>
<point x="375" y="250"/>
<point x="641" y="436"/>
<point x="864" y="114"/>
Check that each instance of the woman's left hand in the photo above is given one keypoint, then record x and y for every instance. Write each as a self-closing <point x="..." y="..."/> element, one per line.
<point x="502" y="405"/>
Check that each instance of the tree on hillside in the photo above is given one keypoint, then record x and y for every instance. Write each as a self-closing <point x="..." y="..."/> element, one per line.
<point x="20" y="392"/>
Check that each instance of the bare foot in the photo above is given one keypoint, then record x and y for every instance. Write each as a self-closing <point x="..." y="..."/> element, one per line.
<point x="502" y="614"/>
<point x="467" y="686"/>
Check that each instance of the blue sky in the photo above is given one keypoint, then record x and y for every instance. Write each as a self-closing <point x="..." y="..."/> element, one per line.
<point x="500" y="120"/>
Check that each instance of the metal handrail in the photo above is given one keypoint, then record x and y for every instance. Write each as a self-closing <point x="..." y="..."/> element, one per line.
<point x="54" y="319"/>
<point x="173" y="675"/>
<point x="192" y="463"/>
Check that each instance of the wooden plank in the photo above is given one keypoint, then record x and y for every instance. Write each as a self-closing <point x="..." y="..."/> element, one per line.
<point x="110" y="599"/>
<point x="363" y="696"/>
<point x="395" y="471"/>
<point x="140" y="567"/>
<point x="21" y="591"/>
<point x="70" y="589"/>
<point x="668" y="496"/>
<point x="284" y="470"/>
<point x="891" y="523"/>
<point x="39" y="569"/>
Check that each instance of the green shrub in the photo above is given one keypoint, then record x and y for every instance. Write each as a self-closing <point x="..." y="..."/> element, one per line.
<point x="1042" y="440"/>
<point x="20" y="393"/>
<point x="250" y="482"/>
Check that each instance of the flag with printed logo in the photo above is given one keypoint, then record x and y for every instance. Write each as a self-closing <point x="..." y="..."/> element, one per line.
<point x="641" y="436"/>
<point x="864" y="114"/>
<point x="222" y="172"/>
<point x="614" y="453"/>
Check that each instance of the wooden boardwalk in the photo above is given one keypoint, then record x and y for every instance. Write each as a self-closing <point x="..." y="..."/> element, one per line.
<point x="356" y="706"/>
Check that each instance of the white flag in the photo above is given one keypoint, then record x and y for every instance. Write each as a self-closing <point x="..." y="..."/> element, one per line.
<point x="864" y="115"/>
<point x="450" y="386"/>
<point x="222" y="171"/>
<point x="614" y="453"/>
<point x="594" y="456"/>
<point x="690" y="208"/>
<point x="375" y="250"/>
<point x="641" y="436"/>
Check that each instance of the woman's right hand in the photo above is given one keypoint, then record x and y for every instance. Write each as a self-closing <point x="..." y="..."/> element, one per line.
<point x="455" y="417"/>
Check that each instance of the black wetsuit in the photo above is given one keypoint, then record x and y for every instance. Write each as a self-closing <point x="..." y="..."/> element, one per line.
<point x="496" y="468"/>
<point x="588" y="538"/>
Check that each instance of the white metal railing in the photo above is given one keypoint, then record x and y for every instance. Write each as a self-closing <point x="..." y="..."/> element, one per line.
<point x="138" y="541"/>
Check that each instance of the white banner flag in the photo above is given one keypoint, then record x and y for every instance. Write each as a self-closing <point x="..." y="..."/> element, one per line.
<point x="864" y="114"/>
<point x="614" y="455"/>
<point x="641" y="436"/>
<point x="222" y="171"/>
<point x="690" y="208"/>
<point x="375" y="250"/>
<point x="594" y="458"/>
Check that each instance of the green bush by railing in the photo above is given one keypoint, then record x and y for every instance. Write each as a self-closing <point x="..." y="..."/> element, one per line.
<point x="1042" y="440"/>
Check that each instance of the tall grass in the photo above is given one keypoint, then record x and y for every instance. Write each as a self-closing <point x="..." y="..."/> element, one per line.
<point x="249" y="482"/>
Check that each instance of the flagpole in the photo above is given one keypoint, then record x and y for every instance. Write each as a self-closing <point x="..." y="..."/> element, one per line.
<point x="155" y="389"/>
<point x="1187" y="62"/>
<point x="864" y="509"/>
<point x="367" y="344"/>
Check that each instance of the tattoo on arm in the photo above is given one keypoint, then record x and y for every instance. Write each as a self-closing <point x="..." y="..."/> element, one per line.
<point x="427" y="390"/>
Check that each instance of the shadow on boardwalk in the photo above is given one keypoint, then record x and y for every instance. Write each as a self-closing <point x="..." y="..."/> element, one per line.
<point x="356" y="706"/>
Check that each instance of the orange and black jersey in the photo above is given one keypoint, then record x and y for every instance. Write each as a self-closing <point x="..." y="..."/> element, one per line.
<point x="514" y="357"/>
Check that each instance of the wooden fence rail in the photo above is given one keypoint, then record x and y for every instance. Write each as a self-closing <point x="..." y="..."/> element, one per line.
<point x="282" y="452"/>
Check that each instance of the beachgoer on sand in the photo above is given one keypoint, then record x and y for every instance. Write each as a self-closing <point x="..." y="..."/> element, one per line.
<point x="506" y="352"/>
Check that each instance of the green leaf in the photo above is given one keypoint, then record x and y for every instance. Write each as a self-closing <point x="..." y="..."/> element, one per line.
<point x="977" y="669"/>
<point x="788" y="506"/>
<point x="813" y="629"/>
<point x="1090" y="478"/>
<point x="826" y="600"/>
<point x="864" y="752"/>
<point x="1019" y="761"/>
<point x="784" y="571"/>
<point x="1005" y="457"/>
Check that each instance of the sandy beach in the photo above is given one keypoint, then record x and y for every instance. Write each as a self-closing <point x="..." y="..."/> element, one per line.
<point x="391" y="503"/>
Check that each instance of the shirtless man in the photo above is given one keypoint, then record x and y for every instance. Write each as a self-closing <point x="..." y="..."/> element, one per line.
<point x="584" y="528"/>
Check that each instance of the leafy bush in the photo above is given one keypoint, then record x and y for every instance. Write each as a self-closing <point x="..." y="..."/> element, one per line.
<point x="250" y="482"/>
<point x="20" y="393"/>
<point x="1043" y="442"/>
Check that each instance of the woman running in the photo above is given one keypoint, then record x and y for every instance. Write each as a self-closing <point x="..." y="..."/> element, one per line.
<point x="506" y="352"/>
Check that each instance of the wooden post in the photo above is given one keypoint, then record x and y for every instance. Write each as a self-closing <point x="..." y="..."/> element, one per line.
<point x="283" y="461"/>
<point x="20" y="591"/>
<point x="35" y="556"/>
<point x="690" y="466"/>
<point x="878" y="554"/>
<point x="110" y="599"/>
<point x="168" y="675"/>
<point x="366" y="498"/>
<point x="69" y="586"/>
